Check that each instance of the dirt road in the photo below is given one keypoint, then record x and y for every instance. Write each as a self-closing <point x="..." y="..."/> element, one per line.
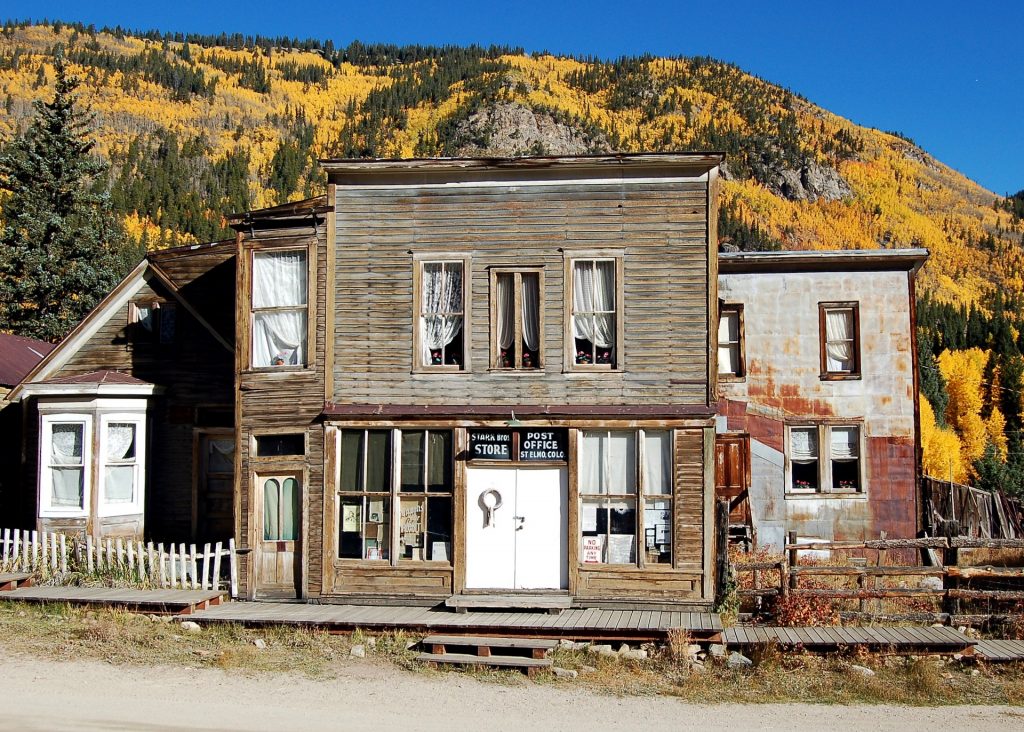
<point x="49" y="695"/>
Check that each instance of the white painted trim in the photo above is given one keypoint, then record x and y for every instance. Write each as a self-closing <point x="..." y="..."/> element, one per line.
<point x="44" y="482"/>
<point x="624" y="179"/>
<point x="90" y="389"/>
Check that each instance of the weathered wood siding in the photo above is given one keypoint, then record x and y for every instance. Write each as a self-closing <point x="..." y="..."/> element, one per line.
<point x="660" y="227"/>
<point x="282" y="401"/>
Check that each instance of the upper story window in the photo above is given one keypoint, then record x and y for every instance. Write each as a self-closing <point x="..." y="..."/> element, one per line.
<point x="825" y="459"/>
<point x="839" y="326"/>
<point x="152" y="322"/>
<point x="280" y="308"/>
<point x="730" y="341"/>
<point x="441" y="332"/>
<point x="595" y="313"/>
<point x="516" y="333"/>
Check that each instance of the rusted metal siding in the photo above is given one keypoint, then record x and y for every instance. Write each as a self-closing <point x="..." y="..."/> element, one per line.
<point x="783" y="384"/>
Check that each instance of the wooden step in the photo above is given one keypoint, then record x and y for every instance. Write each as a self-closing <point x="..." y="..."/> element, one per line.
<point x="14" y="580"/>
<point x="530" y="665"/>
<point x="552" y="603"/>
<point x="485" y="645"/>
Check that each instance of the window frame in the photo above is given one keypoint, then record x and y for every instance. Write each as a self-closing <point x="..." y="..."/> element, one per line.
<point x="741" y="372"/>
<point x="275" y="248"/>
<point x="394" y="496"/>
<point x="826" y="487"/>
<point x="823" y="309"/>
<point x="420" y="259"/>
<point x="569" y="345"/>
<point x="640" y="498"/>
<point x="106" y="508"/>
<point x="259" y="478"/>
<point x="47" y="509"/>
<point x="163" y="312"/>
<point x="495" y="353"/>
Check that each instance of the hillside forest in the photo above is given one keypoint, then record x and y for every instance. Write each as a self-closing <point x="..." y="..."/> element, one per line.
<point x="193" y="127"/>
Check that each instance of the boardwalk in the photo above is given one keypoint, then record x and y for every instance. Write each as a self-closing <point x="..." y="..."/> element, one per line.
<point x="151" y="601"/>
<point x="583" y="624"/>
<point x="1000" y="650"/>
<point x="880" y="638"/>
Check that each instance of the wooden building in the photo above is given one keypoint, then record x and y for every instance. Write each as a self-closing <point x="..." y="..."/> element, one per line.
<point x="819" y="427"/>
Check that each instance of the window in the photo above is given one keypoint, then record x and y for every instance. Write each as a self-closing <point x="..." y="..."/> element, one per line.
<point x="839" y="325"/>
<point x="122" y="451"/>
<point x="825" y="459"/>
<point x="730" y="341"/>
<point x="280" y="445"/>
<point x="516" y="333"/>
<point x="595" y="313"/>
<point x="280" y="508"/>
<point x="153" y="322"/>
<point x="64" y="485"/>
<point x="280" y="309"/>
<point x="410" y="471"/>
<point x="442" y="310"/>
<point x="620" y="470"/>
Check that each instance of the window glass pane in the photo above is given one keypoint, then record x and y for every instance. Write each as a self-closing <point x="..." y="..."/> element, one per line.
<point x="220" y="456"/>
<point x="439" y="529"/>
<point x="593" y="530"/>
<point x="621" y="462"/>
<point x="439" y="462"/>
<point x="531" y="320"/>
<point x="505" y="302"/>
<point x="351" y="460"/>
<point x="412" y="459"/>
<point x="271" y="509"/>
<point x="119" y="486"/>
<point x="839" y="353"/>
<point x="804" y="444"/>
<point x="844" y="443"/>
<point x="120" y="442"/>
<point x="66" y="444"/>
<point x="289" y="509"/>
<point x="280" y="445"/>
<point x="378" y="461"/>
<point x="412" y="510"/>
<point x="279" y="338"/>
<point x="364" y="531"/>
<point x="621" y="532"/>
<point x="68" y="487"/>
<point x="658" y="532"/>
<point x="168" y="323"/>
<point x="441" y="315"/>
<point x="279" y="279"/>
<point x="657" y="462"/>
<point x="591" y="468"/>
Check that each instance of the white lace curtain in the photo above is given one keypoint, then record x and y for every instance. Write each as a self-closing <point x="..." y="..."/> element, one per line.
<point x="844" y="445"/>
<point x="442" y="306"/>
<point x="803" y="445"/>
<point x="839" y="340"/>
<point x="119" y="485"/>
<point x="66" y="456"/>
<point x="280" y="280"/>
<point x="594" y="302"/>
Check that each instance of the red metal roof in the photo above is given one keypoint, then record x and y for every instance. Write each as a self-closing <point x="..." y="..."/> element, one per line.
<point x="103" y="376"/>
<point x="18" y="356"/>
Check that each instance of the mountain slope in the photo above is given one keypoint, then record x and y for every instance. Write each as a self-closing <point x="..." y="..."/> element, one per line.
<point x="198" y="127"/>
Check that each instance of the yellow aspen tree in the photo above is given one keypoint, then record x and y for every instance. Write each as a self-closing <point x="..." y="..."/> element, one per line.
<point x="964" y="371"/>
<point x="941" y="451"/>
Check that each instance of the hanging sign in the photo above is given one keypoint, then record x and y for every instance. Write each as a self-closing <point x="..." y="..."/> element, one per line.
<point x="543" y="444"/>
<point x="490" y="445"/>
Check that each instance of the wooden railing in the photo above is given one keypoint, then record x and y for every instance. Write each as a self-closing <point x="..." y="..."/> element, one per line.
<point x="949" y="588"/>
<point x="58" y="558"/>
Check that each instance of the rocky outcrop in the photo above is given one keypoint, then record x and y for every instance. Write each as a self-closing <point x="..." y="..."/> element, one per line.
<point x="811" y="182"/>
<point x="508" y="128"/>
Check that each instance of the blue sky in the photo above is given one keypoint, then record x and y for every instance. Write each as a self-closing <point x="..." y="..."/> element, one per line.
<point x="947" y="74"/>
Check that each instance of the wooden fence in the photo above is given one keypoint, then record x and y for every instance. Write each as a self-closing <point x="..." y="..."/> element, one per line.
<point x="58" y="558"/>
<point x="977" y="513"/>
<point x="950" y="585"/>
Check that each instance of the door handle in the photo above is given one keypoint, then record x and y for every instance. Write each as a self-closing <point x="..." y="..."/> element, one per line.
<point x="521" y="520"/>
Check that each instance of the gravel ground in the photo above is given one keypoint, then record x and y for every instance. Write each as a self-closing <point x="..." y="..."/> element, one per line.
<point x="37" y="694"/>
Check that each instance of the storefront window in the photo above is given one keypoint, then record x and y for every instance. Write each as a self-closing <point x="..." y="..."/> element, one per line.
<point x="617" y="470"/>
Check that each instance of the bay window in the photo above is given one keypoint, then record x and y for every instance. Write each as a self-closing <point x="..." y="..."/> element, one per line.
<point x="120" y="447"/>
<point x="280" y="308"/>
<point x="65" y="475"/>
<point x="625" y="484"/>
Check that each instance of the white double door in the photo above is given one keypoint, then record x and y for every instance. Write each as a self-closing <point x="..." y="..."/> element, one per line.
<point x="523" y="545"/>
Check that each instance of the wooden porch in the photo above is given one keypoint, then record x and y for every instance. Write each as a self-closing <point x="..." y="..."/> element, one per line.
<point x="160" y="602"/>
<point x="576" y="624"/>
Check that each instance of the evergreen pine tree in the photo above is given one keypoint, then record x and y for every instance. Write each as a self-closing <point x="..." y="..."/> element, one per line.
<point x="61" y="249"/>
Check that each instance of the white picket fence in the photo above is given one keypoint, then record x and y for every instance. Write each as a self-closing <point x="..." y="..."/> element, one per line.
<point x="56" y="556"/>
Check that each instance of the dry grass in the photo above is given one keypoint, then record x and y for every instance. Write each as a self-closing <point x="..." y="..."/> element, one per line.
<point x="64" y="633"/>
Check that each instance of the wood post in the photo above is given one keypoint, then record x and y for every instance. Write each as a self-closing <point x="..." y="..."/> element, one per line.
<point x="721" y="547"/>
<point x="791" y="554"/>
<point x="951" y="558"/>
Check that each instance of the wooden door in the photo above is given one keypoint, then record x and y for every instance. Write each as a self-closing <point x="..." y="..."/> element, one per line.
<point x="732" y="475"/>
<point x="278" y="572"/>
<point x="214" y="518"/>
